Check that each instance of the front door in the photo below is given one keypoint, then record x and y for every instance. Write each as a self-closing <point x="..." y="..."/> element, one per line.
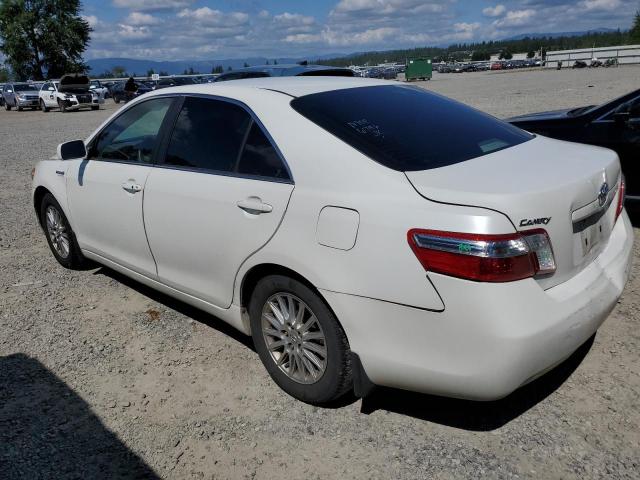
<point x="106" y="190"/>
<point x="217" y="197"/>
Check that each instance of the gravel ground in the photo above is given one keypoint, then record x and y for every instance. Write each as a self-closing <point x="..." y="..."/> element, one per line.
<point x="101" y="377"/>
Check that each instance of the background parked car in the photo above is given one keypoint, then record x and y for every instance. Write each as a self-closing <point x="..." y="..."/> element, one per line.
<point x="614" y="125"/>
<point x="119" y="95"/>
<point x="71" y="92"/>
<point x="286" y="71"/>
<point x="20" y="96"/>
<point x="174" y="82"/>
<point x="1" y="97"/>
<point x="97" y="87"/>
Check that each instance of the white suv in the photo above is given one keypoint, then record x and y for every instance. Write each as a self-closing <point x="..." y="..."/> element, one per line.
<point x="363" y="232"/>
<point x="55" y="94"/>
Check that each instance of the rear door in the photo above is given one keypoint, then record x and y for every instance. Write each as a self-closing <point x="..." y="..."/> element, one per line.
<point x="217" y="196"/>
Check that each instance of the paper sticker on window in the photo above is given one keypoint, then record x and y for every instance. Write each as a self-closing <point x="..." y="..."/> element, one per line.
<point x="492" y="144"/>
<point x="364" y="127"/>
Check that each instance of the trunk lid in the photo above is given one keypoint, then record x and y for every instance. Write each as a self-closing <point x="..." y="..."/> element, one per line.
<point x="565" y="188"/>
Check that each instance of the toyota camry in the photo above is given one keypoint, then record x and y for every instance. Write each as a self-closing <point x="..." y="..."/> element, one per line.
<point x="363" y="232"/>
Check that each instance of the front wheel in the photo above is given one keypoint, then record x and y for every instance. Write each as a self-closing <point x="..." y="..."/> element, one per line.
<point x="62" y="106"/>
<point x="43" y="107"/>
<point x="299" y="340"/>
<point x="60" y="237"/>
<point x="7" y="107"/>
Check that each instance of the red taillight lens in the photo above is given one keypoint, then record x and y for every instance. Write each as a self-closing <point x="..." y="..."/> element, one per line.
<point x="621" y="194"/>
<point x="484" y="258"/>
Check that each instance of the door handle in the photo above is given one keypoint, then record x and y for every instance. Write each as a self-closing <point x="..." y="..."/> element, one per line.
<point x="131" y="186"/>
<point x="254" y="205"/>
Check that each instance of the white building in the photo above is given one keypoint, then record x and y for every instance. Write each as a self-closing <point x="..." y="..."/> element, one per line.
<point x="626" y="54"/>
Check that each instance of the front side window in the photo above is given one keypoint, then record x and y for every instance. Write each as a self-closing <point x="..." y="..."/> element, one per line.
<point x="132" y="136"/>
<point x="208" y="135"/>
<point x="408" y="128"/>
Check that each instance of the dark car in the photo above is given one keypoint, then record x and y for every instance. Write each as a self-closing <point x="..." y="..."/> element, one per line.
<point x="119" y="95"/>
<point x="175" y="82"/>
<point x="614" y="125"/>
<point x="579" y="64"/>
<point x="1" y="97"/>
<point x="285" y="71"/>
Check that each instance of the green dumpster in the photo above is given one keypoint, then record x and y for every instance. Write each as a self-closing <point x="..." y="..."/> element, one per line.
<point x="418" y="68"/>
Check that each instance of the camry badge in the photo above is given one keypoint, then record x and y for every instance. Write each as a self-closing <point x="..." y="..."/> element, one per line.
<point x="604" y="193"/>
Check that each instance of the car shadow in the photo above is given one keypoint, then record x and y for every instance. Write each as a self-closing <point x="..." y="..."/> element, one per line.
<point x="185" y="309"/>
<point x="463" y="414"/>
<point x="474" y="415"/>
<point x="48" y="431"/>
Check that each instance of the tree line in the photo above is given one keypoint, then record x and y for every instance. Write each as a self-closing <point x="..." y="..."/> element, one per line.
<point x="503" y="48"/>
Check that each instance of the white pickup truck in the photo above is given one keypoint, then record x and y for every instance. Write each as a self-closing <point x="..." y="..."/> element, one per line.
<point x="71" y="92"/>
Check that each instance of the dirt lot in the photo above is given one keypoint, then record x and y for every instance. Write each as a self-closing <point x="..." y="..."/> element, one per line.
<point x="101" y="377"/>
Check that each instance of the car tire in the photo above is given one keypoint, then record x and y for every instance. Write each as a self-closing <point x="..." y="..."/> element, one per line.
<point x="306" y="337"/>
<point x="116" y="99"/>
<point x="7" y="107"/>
<point x="96" y="107"/>
<point x="62" y="106"/>
<point x="60" y="237"/>
<point x="18" y="107"/>
<point x="43" y="107"/>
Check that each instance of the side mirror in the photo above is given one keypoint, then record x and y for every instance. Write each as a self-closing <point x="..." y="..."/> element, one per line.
<point x="71" y="150"/>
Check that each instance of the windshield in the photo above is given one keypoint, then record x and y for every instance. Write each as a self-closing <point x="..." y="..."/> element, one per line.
<point x="25" y="88"/>
<point x="408" y="128"/>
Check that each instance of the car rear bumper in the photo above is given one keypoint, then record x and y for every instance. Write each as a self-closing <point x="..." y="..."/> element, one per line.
<point x="491" y="338"/>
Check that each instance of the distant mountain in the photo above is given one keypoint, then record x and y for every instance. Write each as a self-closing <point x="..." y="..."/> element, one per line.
<point x="560" y="34"/>
<point x="140" y="67"/>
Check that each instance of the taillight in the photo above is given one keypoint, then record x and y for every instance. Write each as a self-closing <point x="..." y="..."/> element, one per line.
<point x="621" y="195"/>
<point x="484" y="258"/>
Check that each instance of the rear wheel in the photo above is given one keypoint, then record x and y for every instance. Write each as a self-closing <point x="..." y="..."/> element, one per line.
<point x="299" y="340"/>
<point x="60" y="237"/>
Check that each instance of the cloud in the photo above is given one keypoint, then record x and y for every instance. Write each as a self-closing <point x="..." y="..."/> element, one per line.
<point x="152" y="4"/>
<point x="606" y="5"/>
<point x="138" y="18"/>
<point x="516" y="18"/>
<point x="206" y="15"/>
<point x="130" y="32"/>
<point x="92" y="20"/>
<point x="496" y="11"/>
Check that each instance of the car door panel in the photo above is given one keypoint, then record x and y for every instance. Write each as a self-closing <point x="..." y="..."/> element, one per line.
<point x="105" y="191"/>
<point x="199" y="235"/>
<point x="108" y="215"/>
<point x="217" y="196"/>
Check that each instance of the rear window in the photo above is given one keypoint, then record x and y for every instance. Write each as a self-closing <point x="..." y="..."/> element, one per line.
<point x="408" y="128"/>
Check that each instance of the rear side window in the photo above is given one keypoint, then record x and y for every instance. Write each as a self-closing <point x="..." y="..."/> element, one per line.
<point x="408" y="128"/>
<point x="259" y="157"/>
<point x="208" y="135"/>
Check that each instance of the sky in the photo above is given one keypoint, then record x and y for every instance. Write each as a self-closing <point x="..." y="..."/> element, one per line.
<point x="221" y="29"/>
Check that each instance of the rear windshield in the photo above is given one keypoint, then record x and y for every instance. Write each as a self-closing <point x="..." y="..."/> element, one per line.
<point x="408" y="128"/>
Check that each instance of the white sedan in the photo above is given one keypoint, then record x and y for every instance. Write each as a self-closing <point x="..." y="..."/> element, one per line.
<point x="363" y="232"/>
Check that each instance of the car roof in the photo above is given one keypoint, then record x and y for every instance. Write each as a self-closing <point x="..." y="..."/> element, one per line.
<point x="292" y="86"/>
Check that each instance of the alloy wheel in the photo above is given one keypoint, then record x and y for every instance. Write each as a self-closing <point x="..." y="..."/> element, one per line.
<point x="57" y="231"/>
<point x="294" y="338"/>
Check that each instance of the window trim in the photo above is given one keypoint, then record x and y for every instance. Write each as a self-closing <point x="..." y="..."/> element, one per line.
<point x="253" y="119"/>
<point x="156" y="148"/>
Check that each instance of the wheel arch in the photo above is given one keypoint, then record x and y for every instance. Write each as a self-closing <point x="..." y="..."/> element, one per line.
<point x="38" y="195"/>
<point x="252" y="276"/>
